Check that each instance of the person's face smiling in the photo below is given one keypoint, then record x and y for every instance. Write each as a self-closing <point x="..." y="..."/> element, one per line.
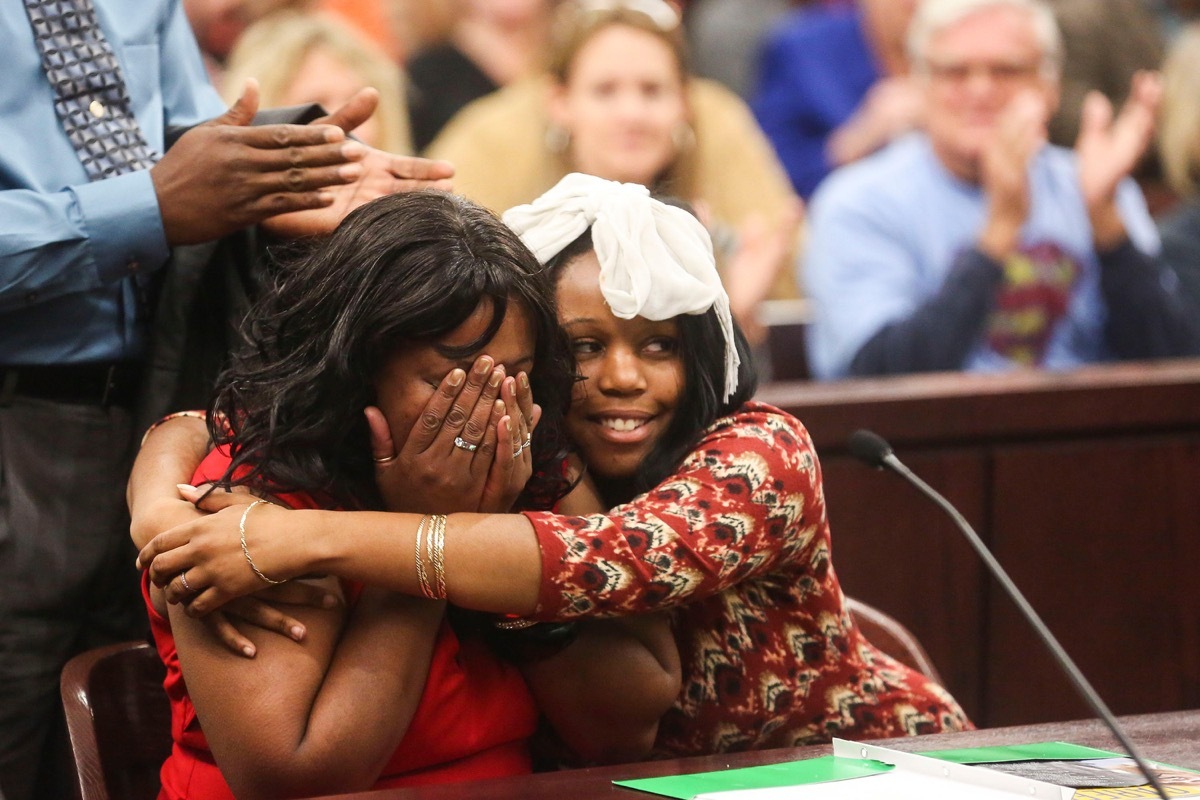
<point x="974" y="69"/>
<point x="632" y="374"/>
<point x="408" y="379"/>
<point x="622" y="103"/>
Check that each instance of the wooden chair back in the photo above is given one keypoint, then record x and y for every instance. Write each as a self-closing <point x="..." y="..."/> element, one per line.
<point x="118" y="719"/>
<point x="891" y="637"/>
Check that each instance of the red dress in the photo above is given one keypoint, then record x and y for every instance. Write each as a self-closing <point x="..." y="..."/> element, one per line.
<point x="737" y="544"/>
<point x="473" y="721"/>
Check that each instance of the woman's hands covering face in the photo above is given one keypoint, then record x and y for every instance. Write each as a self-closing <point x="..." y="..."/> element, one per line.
<point x="467" y="450"/>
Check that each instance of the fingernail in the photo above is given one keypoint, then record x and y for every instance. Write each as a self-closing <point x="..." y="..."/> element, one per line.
<point x="297" y="632"/>
<point x="326" y="198"/>
<point x="329" y="601"/>
<point x="353" y="150"/>
<point x="137" y="563"/>
<point x="334" y="134"/>
<point x="248" y="651"/>
<point x="497" y="377"/>
<point x="483" y="365"/>
<point x="350" y="172"/>
<point x="456" y="377"/>
<point x="524" y="379"/>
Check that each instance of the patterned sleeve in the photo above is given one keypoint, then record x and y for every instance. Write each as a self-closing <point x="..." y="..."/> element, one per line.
<point x="746" y="500"/>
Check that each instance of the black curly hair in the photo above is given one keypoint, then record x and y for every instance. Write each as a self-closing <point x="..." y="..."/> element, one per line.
<point x="405" y="269"/>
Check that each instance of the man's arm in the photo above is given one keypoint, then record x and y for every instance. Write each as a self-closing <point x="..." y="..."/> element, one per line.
<point x="1147" y="317"/>
<point x="942" y="332"/>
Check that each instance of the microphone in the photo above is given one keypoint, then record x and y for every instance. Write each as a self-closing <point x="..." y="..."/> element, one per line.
<point x="871" y="448"/>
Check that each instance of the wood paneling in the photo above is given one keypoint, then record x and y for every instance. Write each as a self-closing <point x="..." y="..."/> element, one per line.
<point x="1087" y="487"/>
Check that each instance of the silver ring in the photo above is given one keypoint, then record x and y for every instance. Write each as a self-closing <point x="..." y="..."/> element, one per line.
<point x="384" y="459"/>
<point x="183" y="580"/>
<point x="465" y="445"/>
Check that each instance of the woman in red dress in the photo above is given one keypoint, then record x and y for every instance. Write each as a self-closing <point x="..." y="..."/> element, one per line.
<point x="383" y="688"/>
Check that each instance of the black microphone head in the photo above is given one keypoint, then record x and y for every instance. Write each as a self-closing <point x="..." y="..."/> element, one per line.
<point x="870" y="447"/>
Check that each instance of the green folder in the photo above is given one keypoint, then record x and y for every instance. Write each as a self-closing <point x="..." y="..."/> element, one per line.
<point x="829" y="768"/>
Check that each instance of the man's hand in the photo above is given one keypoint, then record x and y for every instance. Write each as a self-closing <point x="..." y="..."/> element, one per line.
<point x="1108" y="150"/>
<point x="225" y="174"/>
<point x="383" y="174"/>
<point x="1020" y="133"/>
<point x="893" y="106"/>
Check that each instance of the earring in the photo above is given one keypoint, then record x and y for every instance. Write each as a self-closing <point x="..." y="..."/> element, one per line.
<point x="557" y="139"/>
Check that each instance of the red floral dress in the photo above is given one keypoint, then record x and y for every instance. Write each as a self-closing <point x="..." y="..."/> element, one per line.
<point x="736" y="543"/>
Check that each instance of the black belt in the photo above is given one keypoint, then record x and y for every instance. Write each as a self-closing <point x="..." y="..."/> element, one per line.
<point x="94" y="384"/>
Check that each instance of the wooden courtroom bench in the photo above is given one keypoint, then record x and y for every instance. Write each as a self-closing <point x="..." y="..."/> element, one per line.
<point x="1086" y="485"/>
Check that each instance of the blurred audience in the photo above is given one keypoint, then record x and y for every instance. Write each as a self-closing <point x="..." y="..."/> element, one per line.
<point x="724" y="37"/>
<point x="970" y="246"/>
<point x="1179" y="150"/>
<point x="218" y="24"/>
<point x="1104" y="44"/>
<point x="301" y="57"/>
<point x="420" y="24"/>
<point x="618" y="103"/>
<point x="833" y="86"/>
<point x="492" y="44"/>
<point x="372" y="19"/>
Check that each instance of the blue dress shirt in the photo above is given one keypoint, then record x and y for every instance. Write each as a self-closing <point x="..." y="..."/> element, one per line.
<point x="69" y="247"/>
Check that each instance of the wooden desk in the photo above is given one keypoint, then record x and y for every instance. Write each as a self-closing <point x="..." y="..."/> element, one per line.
<point x="1085" y="484"/>
<point x="1171" y="738"/>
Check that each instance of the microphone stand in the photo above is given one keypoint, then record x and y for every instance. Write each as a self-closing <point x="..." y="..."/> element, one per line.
<point x="887" y="458"/>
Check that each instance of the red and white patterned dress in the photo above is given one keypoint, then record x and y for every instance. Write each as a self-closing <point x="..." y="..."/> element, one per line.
<point x="736" y="543"/>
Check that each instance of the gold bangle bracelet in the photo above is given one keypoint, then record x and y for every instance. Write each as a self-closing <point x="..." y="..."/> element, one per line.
<point x="246" y="550"/>
<point x="437" y="555"/>
<point x="422" y="577"/>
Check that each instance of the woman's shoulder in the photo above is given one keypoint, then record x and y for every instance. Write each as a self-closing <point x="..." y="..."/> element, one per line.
<point x="761" y="431"/>
<point x="758" y="420"/>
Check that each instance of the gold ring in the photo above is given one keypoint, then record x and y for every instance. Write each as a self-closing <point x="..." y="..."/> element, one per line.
<point x="384" y="459"/>
<point x="183" y="580"/>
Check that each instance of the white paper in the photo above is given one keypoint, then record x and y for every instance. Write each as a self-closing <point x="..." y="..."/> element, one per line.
<point x="957" y="773"/>
<point x="894" y="785"/>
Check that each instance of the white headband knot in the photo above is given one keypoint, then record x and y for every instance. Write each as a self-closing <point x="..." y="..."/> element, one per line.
<point x="656" y="260"/>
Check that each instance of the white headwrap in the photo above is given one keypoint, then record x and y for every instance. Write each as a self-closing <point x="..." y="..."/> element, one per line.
<point x="656" y="260"/>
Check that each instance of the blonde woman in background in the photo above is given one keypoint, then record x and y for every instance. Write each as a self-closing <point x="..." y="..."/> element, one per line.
<point x="618" y="102"/>
<point x="1179" y="150"/>
<point x="302" y="57"/>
